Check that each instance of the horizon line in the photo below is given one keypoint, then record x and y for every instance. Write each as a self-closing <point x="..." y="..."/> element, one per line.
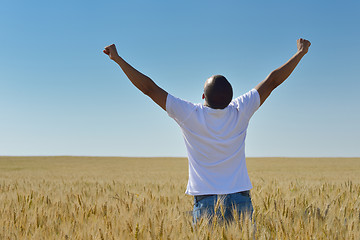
<point x="98" y="156"/>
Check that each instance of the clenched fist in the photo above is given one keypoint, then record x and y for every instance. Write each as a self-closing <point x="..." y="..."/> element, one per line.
<point x="111" y="51"/>
<point x="303" y="45"/>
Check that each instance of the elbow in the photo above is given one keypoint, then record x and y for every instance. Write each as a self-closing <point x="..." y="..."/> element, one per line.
<point x="147" y="86"/>
<point x="147" y="90"/>
<point x="274" y="80"/>
<point x="274" y="75"/>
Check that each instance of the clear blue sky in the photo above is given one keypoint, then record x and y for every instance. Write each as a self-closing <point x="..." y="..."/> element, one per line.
<point x="60" y="95"/>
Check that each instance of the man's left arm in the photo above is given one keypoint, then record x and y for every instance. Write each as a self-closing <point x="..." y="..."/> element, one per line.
<point x="279" y="75"/>
<point x="139" y="80"/>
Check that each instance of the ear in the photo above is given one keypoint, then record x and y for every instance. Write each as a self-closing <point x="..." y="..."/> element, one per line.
<point x="203" y="96"/>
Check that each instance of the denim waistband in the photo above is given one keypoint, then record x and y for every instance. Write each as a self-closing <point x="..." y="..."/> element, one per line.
<point x="201" y="197"/>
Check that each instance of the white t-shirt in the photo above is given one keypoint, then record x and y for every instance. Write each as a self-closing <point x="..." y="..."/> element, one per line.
<point x="215" y="143"/>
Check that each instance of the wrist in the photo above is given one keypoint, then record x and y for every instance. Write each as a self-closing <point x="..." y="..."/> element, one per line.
<point x="302" y="52"/>
<point x="116" y="58"/>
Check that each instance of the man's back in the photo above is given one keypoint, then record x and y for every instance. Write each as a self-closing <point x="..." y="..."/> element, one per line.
<point x="215" y="142"/>
<point x="215" y="137"/>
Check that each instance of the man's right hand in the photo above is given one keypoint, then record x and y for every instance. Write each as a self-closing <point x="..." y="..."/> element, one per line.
<point x="111" y="51"/>
<point x="303" y="45"/>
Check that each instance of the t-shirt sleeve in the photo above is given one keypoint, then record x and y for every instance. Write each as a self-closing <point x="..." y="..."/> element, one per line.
<point x="248" y="103"/>
<point x="179" y="109"/>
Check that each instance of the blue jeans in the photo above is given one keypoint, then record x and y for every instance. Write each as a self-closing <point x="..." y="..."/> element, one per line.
<point x="223" y="206"/>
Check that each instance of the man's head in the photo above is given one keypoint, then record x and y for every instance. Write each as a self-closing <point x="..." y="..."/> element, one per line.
<point x="218" y="92"/>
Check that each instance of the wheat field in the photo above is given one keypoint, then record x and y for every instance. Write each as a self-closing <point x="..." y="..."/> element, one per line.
<point x="143" y="198"/>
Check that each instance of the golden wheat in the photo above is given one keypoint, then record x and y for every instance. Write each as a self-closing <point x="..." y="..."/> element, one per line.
<point x="143" y="198"/>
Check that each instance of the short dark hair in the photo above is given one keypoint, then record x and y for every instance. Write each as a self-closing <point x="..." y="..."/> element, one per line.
<point x="218" y="92"/>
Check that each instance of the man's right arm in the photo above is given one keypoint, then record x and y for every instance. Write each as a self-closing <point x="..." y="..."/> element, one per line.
<point x="139" y="80"/>
<point x="279" y="75"/>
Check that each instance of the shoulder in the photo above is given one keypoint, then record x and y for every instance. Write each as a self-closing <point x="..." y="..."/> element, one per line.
<point x="172" y="101"/>
<point x="248" y="102"/>
<point x="180" y="109"/>
<point x="246" y="98"/>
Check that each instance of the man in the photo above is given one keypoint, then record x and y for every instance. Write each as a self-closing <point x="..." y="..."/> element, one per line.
<point x="214" y="133"/>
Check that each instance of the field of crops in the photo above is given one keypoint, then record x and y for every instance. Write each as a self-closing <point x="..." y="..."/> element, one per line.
<point x="143" y="198"/>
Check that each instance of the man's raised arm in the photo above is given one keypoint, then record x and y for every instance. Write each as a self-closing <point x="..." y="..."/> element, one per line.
<point x="141" y="81"/>
<point x="279" y="75"/>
